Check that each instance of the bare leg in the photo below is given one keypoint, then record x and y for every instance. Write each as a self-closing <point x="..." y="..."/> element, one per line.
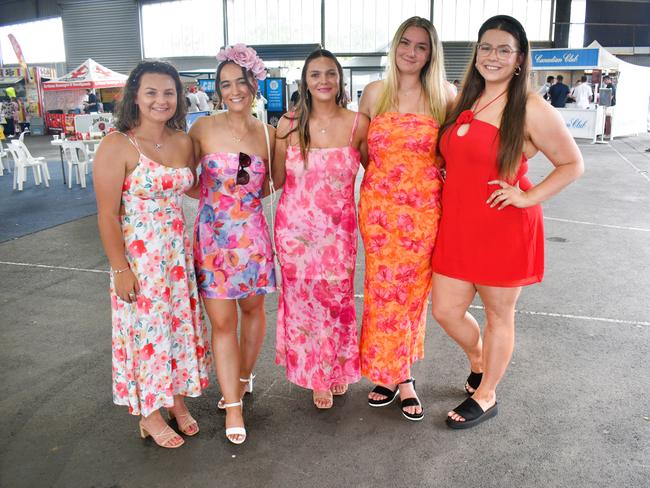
<point x="225" y="347"/>
<point x="154" y="424"/>
<point x="253" y="330"/>
<point x="184" y="420"/>
<point x="450" y="300"/>
<point x="498" y="343"/>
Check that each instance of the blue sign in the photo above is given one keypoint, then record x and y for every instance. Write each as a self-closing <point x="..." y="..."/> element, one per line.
<point x="275" y="90"/>
<point x="565" y="58"/>
<point x="208" y="85"/>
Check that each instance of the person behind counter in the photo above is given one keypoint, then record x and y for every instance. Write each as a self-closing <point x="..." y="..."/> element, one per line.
<point x="582" y="93"/>
<point x="558" y="93"/>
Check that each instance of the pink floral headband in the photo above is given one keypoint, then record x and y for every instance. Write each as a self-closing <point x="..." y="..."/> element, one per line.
<point x="244" y="56"/>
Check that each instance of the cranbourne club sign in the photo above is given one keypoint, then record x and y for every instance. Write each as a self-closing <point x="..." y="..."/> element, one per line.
<point x="565" y="58"/>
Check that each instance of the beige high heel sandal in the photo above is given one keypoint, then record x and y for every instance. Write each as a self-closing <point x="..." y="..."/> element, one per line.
<point x="248" y="389"/>
<point x="161" y="438"/>
<point x="184" y="422"/>
<point x="235" y="430"/>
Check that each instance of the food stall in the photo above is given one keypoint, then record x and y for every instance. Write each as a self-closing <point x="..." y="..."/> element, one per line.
<point x="28" y="89"/>
<point x="628" y="116"/>
<point x="66" y="94"/>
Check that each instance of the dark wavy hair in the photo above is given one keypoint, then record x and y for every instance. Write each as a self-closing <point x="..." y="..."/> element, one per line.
<point x="513" y="118"/>
<point x="303" y="108"/>
<point x="127" y="116"/>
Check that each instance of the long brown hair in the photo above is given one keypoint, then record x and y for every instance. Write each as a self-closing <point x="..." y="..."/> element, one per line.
<point x="432" y="75"/>
<point x="127" y="116"/>
<point x="511" y="130"/>
<point x="303" y="109"/>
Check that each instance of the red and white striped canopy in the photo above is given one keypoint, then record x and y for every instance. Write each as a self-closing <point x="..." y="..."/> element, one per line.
<point x="89" y="74"/>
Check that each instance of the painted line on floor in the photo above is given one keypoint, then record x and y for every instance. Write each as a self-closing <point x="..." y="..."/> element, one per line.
<point x="637" y="323"/>
<point x="45" y="266"/>
<point x="640" y="171"/>
<point x="579" y="317"/>
<point x="609" y="226"/>
<point x="526" y="312"/>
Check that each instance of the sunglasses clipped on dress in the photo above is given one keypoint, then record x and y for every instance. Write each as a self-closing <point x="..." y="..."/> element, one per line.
<point x="242" y="175"/>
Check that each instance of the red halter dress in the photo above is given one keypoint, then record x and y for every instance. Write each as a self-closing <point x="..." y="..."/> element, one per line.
<point x="476" y="243"/>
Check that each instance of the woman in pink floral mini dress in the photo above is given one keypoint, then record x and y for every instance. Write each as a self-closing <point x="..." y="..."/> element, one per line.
<point x="160" y="348"/>
<point x="232" y="248"/>
<point x="318" y="153"/>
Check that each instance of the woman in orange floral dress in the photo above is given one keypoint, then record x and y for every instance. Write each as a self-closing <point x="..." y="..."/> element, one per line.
<point x="399" y="211"/>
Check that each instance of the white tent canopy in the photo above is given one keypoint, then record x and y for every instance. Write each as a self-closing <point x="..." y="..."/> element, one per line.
<point x="88" y="75"/>
<point x="630" y="114"/>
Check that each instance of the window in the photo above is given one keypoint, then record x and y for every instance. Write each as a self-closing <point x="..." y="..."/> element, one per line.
<point x="46" y="47"/>
<point x="367" y="26"/>
<point x="274" y="21"/>
<point x="460" y="20"/>
<point x="182" y="28"/>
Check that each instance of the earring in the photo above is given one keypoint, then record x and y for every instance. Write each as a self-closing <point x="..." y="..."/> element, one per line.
<point x="517" y="70"/>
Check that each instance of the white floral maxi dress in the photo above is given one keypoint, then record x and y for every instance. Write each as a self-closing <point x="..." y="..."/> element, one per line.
<point x="160" y="345"/>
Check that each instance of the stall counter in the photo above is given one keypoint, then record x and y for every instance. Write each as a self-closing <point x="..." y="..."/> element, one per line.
<point x="586" y="123"/>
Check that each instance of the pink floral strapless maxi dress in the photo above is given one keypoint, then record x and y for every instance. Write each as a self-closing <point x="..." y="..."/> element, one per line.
<point x="160" y="346"/>
<point x="316" y="241"/>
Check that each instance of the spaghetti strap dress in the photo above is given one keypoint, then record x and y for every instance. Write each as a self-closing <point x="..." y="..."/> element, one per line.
<point x="232" y="245"/>
<point x="159" y="344"/>
<point x="476" y="243"/>
<point x="316" y="241"/>
<point x="399" y="209"/>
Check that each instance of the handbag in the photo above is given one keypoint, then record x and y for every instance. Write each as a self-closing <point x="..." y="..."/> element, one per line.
<point x="276" y="260"/>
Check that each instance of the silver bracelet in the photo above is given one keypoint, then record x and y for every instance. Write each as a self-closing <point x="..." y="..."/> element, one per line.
<point x="118" y="271"/>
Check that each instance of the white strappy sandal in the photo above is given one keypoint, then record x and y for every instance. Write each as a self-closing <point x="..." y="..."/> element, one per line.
<point x="235" y="430"/>
<point x="248" y="389"/>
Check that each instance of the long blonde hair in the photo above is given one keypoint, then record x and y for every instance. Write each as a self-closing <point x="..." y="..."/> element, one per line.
<point x="432" y="76"/>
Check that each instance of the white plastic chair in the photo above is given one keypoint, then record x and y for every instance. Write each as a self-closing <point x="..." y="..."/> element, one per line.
<point x="76" y="156"/>
<point x="3" y="154"/>
<point x="21" y="163"/>
<point x="33" y="160"/>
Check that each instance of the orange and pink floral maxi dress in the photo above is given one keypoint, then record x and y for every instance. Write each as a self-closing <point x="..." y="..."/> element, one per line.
<point x="399" y="210"/>
<point x="160" y="344"/>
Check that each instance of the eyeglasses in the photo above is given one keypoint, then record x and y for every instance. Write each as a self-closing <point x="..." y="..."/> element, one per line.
<point x="244" y="162"/>
<point x="503" y="52"/>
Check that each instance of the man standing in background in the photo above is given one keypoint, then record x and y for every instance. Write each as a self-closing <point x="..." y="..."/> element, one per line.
<point x="543" y="91"/>
<point x="582" y="93"/>
<point x="558" y="93"/>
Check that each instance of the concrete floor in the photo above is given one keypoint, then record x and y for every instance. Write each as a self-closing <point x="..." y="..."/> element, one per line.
<point x="574" y="409"/>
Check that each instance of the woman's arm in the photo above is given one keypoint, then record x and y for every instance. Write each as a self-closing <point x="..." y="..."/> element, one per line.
<point x="280" y="153"/>
<point x="109" y="172"/>
<point x="266" y="189"/>
<point x="547" y="133"/>
<point x="369" y="98"/>
<point x="362" y="138"/>
<point x="195" y="136"/>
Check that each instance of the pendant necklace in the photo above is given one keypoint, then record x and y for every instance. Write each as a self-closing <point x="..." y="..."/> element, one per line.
<point x="232" y="133"/>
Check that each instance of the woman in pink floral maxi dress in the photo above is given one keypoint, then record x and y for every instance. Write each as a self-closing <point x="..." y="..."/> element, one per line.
<point x="316" y="235"/>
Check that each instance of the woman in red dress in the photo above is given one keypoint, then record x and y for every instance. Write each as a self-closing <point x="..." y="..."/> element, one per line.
<point x="491" y="237"/>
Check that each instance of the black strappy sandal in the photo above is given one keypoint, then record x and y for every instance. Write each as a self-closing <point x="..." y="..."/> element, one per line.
<point x="473" y="414"/>
<point x="382" y="390"/>
<point x="473" y="381"/>
<point x="411" y="402"/>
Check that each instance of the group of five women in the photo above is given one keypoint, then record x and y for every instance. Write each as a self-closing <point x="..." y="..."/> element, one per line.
<point x="445" y="209"/>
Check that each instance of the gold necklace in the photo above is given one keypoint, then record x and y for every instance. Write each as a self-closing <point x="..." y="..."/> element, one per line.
<point x="232" y="133"/>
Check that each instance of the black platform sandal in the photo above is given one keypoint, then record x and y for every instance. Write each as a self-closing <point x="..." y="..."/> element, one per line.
<point x="473" y="381"/>
<point x="382" y="390"/>
<point x="473" y="414"/>
<point x="411" y="402"/>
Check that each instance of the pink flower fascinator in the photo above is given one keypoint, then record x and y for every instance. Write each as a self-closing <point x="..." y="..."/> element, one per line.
<point x="244" y="56"/>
